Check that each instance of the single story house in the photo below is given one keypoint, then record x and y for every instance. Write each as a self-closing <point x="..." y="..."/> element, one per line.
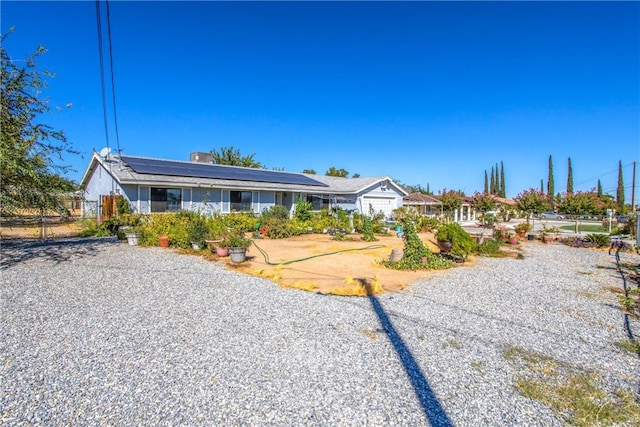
<point x="158" y="185"/>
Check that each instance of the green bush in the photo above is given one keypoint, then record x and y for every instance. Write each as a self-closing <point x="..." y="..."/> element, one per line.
<point x="462" y="242"/>
<point x="277" y="211"/>
<point x="304" y="209"/>
<point x="600" y="240"/>
<point x="240" y="221"/>
<point x="277" y="228"/>
<point x="416" y="255"/>
<point x="490" y="247"/>
<point x="367" y="230"/>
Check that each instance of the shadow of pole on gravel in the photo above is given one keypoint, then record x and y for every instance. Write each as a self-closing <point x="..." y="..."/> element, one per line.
<point x="430" y="405"/>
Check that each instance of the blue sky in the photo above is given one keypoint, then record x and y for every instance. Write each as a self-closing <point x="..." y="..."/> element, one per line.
<point x="425" y="92"/>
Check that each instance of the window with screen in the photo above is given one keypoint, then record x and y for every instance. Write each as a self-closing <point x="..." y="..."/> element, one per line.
<point x="166" y="199"/>
<point x="240" y="200"/>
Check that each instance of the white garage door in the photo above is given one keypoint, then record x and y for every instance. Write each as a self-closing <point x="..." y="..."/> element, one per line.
<point x="380" y="204"/>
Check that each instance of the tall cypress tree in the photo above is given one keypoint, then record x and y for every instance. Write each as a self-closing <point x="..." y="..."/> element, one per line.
<point x="550" y="186"/>
<point x="599" y="189"/>
<point x="541" y="186"/>
<point x="620" y="190"/>
<point x="503" y="189"/>
<point x="569" y="178"/>
<point x="492" y="185"/>
<point x="486" y="182"/>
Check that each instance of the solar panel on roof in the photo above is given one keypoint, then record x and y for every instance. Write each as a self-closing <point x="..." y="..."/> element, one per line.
<point x="209" y="170"/>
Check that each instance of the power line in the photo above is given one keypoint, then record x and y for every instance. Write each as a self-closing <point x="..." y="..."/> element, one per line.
<point x="113" y="84"/>
<point x="104" y="97"/>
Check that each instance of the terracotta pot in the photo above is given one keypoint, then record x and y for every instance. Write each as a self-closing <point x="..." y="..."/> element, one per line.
<point x="164" y="241"/>
<point x="521" y="233"/>
<point x="222" y="251"/>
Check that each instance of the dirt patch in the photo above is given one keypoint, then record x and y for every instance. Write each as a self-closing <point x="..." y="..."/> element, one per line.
<point x="31" y="230"/>
<point x="318" y="263"/>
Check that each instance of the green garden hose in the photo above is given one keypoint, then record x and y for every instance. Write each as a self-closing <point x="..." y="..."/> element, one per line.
<point x="266" y="256"/>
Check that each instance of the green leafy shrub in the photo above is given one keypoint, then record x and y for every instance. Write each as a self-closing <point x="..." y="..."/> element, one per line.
<point x="197" y="229"/>
<point x="236" y="239"/>
<point x="240" y="221"/>
<point x="416" y="255"/>
<point x="276" y="211"/>
<point x="600" y="240"/>
<point x="304" y="209"/>
<point x="367" y="230"/>
<point x="490" y="247"/>
<point x="277" y="228"/>
<point x="462" y="242"/>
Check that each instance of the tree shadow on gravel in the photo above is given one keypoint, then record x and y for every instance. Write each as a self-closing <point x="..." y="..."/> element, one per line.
<point x="15" y="251"/>
<point x="432" y="408"/>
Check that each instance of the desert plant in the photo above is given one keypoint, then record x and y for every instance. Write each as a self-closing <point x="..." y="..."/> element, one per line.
<point x="600" y="240"/>
<point x="304" y="209"/>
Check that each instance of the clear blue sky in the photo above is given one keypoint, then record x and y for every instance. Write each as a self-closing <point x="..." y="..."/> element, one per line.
<point x="425" y="92"/>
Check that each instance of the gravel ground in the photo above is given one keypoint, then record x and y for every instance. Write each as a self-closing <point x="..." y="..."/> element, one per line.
<point x="96" y="332"/>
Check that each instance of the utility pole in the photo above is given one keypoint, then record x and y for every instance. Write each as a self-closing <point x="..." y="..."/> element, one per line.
<point x="633" y="190"/>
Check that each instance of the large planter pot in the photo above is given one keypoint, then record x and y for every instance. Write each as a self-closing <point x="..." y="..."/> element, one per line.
<point x="521" y="233"/>
<point x="237" y="254"/>
<point x="222" y="252"/>
<point x="445" y="246"/>
<point x="164" y="241"/>
<point x="133" y="238"/>
<point x="547" y="239"/>
<point x="513" y="240"/>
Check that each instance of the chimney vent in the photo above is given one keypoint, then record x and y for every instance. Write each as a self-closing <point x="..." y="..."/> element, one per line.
<point x="200" y="157"/>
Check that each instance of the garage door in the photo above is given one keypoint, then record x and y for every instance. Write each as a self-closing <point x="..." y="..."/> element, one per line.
<point x="385" y="205"/>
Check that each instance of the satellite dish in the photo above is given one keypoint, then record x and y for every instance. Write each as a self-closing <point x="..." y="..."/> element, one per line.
<point x="105" y="152"/>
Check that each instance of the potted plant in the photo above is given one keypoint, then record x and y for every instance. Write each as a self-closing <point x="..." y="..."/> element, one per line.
<point x="522" y="228"/>
<point x="238" y="244"/>
<point x="198" y="232"/>
<point x="133" y="235"/>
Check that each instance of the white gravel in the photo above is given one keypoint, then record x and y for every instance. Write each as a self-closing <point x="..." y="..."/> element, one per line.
<point x="96" y="332"/>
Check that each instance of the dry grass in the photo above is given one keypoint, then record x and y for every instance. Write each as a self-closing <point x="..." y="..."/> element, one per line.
<point x="571" y="392"/>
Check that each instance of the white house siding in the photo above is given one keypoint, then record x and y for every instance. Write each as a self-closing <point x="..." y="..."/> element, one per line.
<point x="207" y="200"/>
<point x="100" y="184"/>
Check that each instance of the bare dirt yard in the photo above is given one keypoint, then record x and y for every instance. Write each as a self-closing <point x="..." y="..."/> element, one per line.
<point x="318" y="263"/>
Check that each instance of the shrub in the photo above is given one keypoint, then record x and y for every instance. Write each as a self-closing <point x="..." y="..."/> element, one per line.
<point x="240" y="221"/>
<point x="416" y="255"/>
<point x="277" y="228"/>
<point x="367" y="230"/>
<point x="462" y="242"/>
<point x="599" y="240"/>
<point x="276" y="211"/>
<point x="303" y="209"/>
<point x="490" y="247"/>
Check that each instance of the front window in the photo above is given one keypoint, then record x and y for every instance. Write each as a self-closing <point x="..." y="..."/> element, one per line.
<point x="240" y="200"/>
<point x="318" y="202"/>
<point x="166" y="199"/>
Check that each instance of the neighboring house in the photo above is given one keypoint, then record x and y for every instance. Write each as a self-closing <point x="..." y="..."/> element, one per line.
<point x="157" y="185"/>
<point x="432" y="206"/>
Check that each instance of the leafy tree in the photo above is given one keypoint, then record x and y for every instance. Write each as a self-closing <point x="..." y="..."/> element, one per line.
<point x="310" y="171"/>
<point x="569" y="177"/>
<point x="29" y="151"/>
<point x="355" y="175"/>
<point x="532" y="201"/>
<point x="550" y="182"/>
<point x="620" y="190"/>
<point x="503" y="187"/>
<point x="486" y="182"/>
<point x="232" y="157"/>
<point x="581" y="203"/>
<point x="483" y="202"/>
<point x="337" y="172"/>
<point x="451" y="200"/>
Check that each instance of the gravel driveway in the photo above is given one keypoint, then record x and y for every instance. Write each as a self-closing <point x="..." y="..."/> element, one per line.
<point x="96" y="332"/>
